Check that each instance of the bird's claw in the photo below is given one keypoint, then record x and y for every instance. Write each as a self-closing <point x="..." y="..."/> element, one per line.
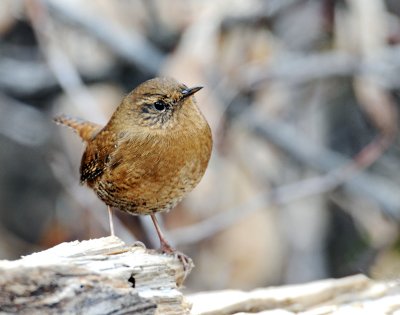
<point x="186" y="261"/>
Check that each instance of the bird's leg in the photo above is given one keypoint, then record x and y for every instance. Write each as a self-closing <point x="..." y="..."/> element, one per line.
<point x="110" y="220"/>
<point x="165" y="247"/>
<point x="168" y="249"/>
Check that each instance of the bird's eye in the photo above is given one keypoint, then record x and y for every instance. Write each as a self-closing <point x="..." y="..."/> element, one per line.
<point x="160" y="106"/>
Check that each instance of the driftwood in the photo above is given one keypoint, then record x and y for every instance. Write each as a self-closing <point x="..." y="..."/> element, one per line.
<point x="352" y="295"/>
<point x="106" y="276"/>
<point x="100" y="276"/>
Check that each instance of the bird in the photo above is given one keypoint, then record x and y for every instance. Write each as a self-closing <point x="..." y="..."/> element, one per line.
<point x="152" y="152"/>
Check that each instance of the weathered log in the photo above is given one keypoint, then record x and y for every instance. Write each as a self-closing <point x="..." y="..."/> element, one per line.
<point x="351" y="295"/>
<point x="99" y="276"/>
<point x="106" y="276"/>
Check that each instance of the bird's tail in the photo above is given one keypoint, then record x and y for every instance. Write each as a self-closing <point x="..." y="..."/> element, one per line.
<point x="85" y="129"/>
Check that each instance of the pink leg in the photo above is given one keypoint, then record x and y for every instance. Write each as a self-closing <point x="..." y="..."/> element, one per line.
<point x="168" y="249"/>
<point x="165" y="247"/>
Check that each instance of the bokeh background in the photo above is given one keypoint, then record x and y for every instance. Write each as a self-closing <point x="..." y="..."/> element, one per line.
<point x="302" y="97"/>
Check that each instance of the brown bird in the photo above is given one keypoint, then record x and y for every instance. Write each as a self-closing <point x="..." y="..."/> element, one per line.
<point x="152" y="152"/>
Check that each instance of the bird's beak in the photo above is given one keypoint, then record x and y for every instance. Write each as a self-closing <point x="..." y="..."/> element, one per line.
<point x="190" y="91"/>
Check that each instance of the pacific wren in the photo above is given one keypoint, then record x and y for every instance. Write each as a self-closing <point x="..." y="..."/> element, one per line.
<point x="152" y="152"/>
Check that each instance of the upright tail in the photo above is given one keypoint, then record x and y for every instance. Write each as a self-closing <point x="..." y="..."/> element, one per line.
<point x="85" y="129"/>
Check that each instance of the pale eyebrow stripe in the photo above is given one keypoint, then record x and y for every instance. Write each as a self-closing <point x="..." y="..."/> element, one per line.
<point x="153" y="94"/>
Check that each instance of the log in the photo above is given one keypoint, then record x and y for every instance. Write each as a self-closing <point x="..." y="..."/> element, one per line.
<point x="106" y="276"/>
<point x="351" y="295"/>
<point x="99" y="276"/>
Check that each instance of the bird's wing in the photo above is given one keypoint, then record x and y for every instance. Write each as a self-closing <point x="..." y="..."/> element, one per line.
<point x="97" y="156"/>
<point x="85" y="129"/>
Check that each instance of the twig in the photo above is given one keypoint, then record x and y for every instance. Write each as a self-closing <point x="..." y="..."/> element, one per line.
<point x="323" y="160"/>
<point x="63" y="69"/>
<point x="302" y="69"/>
<point x="131" y="46"/>
<point x="22" y="123"/>
<point x="25" y="77"/>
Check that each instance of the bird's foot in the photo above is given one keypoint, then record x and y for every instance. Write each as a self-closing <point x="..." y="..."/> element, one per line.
<point x="186" y="261"/>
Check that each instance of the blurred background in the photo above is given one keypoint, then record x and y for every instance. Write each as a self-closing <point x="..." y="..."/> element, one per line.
<point x="302" y="97"/>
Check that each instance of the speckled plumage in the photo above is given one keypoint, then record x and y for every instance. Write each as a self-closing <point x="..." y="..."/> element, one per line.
<point x="146" y="160"/>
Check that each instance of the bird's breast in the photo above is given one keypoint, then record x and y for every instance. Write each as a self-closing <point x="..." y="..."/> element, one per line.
<point x="153" y="173"/>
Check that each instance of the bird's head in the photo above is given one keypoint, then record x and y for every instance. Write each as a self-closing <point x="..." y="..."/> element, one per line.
<point x="160" y="104"/>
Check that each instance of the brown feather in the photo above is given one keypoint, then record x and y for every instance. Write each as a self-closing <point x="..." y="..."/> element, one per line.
<point x="85" y="129"/>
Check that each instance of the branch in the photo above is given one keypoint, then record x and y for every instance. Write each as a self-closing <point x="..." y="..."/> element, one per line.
<point x="351" y="295"/>
<point x="290" y="140"/>
<point x="297" y="68"/>
<point x="25" y="77"/>
<point x="131" y="46"/>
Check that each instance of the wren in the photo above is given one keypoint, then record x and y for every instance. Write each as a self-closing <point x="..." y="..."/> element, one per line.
<point x="152" y="152"/>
